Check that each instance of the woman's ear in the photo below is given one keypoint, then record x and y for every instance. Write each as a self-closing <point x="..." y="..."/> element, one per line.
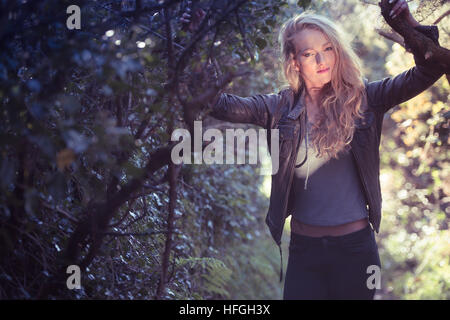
<point x="294" y="63"/>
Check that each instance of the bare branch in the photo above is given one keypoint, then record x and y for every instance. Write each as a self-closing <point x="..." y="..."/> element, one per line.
<point x="136" y="234"/>
<point x="60" y="211"/>
<point x="244" y="38"/>
<point x="183" y="59"/>
<point x="391" y="36"/>
<point x="442" y="17"/>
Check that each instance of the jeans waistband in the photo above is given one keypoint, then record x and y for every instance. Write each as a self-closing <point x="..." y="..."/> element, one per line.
<point x="367" y="230"/>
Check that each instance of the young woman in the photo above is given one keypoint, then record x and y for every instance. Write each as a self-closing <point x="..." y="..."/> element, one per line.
<point x="329" y="120"/>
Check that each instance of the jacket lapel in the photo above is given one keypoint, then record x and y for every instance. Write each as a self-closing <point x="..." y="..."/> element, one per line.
<point x="297" y="109"/>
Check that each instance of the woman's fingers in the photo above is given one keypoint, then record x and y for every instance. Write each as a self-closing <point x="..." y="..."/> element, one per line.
<point x="185" y="18"/>
<point x="399" y="7"/>
<point x="400" y="10"/>
<point x="192" y="19"/>
<point x="395" y="8"/>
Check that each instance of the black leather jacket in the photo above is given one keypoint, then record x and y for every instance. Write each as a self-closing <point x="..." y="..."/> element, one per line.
<point x="277" y="111"/>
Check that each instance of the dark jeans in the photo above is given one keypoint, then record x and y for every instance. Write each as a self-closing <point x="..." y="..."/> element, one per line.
<point x="331" y="267"/>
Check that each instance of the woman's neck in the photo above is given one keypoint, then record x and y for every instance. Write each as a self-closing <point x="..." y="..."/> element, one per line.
<point x="312" y="95"/>
<point x="311" y="105"/>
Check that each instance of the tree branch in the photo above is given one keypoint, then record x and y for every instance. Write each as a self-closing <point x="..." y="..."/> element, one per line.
<point x="391" y="36"/>
<point x="244" y="38"/>
<point x="419" y="43"/>
<point x="441" y="17"/>
<point x="136" y="234"/>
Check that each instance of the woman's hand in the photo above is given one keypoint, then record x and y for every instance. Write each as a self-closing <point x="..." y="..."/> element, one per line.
<point x="401" y="9"/>
<point x="192" y="23"/>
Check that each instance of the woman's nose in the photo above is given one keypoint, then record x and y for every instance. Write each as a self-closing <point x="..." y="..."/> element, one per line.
<point x="319" y="57"/>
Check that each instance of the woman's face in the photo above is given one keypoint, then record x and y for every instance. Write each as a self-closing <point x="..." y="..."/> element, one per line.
<point x="314" y="52"/>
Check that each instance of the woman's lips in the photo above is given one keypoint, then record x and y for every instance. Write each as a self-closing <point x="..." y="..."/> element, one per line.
<point x="324" y="70"/>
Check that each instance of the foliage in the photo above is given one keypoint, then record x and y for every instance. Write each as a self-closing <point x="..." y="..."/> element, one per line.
<point x="84" y="112"/>
<point x="416" y="195"/>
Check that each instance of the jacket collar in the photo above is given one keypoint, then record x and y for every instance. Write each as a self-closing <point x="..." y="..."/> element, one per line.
<point x="299" y="106"/>
<point x="297" y="109"/>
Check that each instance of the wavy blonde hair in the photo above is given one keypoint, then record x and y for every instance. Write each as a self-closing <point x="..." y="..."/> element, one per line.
<point x="341" y="98"/>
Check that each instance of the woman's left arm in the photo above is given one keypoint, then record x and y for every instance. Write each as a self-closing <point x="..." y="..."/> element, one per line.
<point x="391" y="91"/>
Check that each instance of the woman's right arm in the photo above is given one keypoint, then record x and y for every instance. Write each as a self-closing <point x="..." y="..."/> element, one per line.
<point x="256" y="109"/>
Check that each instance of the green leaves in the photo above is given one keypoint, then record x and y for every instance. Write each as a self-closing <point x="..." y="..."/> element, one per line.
<point x="7" y="172"/>
<point x="261" y="43"/>
<point x="265" y="29"/>
<point x="304" y="3"/>
<point x="57" y="186"/>
<point x="72" y="108"/>
<point x="213" y="271"/>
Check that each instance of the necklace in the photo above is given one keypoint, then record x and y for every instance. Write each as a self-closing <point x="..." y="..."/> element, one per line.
<point x="306" y="153"/>
<point x="306" y="142"/>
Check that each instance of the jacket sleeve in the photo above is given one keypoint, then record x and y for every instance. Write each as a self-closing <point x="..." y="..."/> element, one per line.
<point x="391" y="91"/>
<point x="255" y="109"/>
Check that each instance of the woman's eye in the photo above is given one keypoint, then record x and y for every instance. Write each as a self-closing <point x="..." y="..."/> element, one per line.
<point x="309" y="54"/>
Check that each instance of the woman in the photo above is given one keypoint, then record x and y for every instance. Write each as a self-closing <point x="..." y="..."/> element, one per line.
<point x="329" y="120"/>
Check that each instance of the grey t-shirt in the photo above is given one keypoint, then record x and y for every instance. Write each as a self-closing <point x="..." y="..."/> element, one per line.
<point x="328" y="192"/>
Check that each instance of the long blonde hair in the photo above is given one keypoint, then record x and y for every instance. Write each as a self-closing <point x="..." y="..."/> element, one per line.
<point x="342" y="97"/>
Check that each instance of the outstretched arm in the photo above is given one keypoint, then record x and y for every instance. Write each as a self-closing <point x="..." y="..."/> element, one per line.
<point x="255" y="109"/>
<point x="391" y="91"/>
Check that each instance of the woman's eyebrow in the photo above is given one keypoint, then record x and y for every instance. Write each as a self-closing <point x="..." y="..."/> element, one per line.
<point x="311" y="48"/>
